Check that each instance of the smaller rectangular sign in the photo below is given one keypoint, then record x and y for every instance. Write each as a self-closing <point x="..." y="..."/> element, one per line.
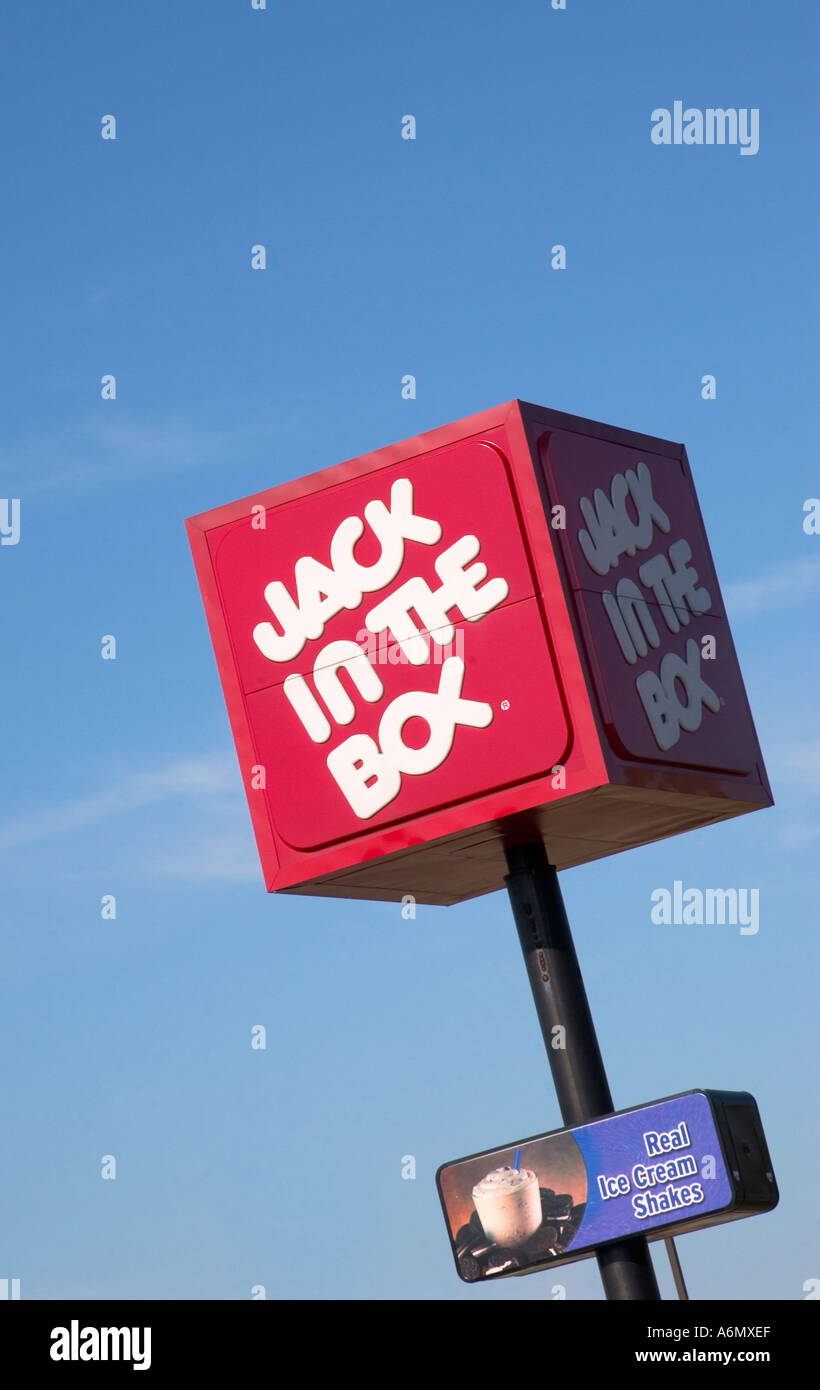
<point x="657" y="1170"/>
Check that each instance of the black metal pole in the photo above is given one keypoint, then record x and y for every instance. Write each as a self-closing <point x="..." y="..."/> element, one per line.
<point x="569" y="1036"/>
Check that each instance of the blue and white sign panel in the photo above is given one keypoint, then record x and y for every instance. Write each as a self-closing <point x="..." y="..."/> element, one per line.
<point x="677" y="1164"/>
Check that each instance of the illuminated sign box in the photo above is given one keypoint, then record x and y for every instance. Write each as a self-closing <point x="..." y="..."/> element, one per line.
<point x="657" y="1170"/>
<point x="508" y="628"/>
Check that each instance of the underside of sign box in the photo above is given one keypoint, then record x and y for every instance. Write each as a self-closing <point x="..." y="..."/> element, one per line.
<point x="614" y="712"/>
<point x="451" y="870"/>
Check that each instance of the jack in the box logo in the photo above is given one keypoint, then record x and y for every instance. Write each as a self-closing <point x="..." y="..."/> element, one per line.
<point x="367" y="770"/>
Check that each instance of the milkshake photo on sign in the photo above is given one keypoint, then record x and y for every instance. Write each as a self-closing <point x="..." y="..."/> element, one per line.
<point x="511" y="1210"/>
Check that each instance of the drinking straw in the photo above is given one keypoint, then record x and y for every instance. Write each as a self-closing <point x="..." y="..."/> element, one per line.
<point x="517" y="1161"/>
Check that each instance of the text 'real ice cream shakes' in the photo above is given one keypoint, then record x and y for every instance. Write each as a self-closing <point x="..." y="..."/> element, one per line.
<point x="508" y="1202"/>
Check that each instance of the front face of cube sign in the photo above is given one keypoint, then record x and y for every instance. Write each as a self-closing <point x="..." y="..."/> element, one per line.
<point x="390" y="647"/>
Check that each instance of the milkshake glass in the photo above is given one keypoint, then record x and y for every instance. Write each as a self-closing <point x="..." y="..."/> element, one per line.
<point x="508" y="1202"/>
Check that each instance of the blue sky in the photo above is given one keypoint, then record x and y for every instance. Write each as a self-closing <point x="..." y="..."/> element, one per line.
<point x="385" y="1037"/>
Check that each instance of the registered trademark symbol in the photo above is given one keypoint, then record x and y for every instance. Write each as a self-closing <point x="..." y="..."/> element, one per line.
<point x="505" y="704"/>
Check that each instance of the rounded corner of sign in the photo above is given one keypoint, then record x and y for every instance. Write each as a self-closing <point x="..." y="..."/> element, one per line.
<point x="503" y="454"/>
<point x="437" y="1176"/>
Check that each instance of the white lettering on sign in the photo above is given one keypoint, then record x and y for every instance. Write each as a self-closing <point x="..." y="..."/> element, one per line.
<point x="360" y="760"/>
<point x="332" y="658"/>
<point x="610" y="533"/>
<point x="433" y="606"/>
<point x="322" y="592"/>
<point x="369" y="772"/>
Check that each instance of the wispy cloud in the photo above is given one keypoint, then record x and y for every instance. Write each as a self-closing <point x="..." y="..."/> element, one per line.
<point x="199" y="779"/>
<point x="795" y="771"/>
<point x="797" y="834"/>
<point x="115" y="446"/>
<point x="94" y="449"/>
<point x="799" y="762"/>
<point x="225" y="855"/>
<point x="779" y="587"/>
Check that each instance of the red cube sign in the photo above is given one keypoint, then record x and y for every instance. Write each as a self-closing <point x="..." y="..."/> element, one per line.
<point x="504" y="629"/>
